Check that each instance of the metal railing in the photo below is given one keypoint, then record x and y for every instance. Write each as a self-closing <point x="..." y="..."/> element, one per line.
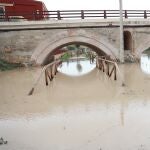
<point x="104" y="14"/>
<point x="73" y="14"/>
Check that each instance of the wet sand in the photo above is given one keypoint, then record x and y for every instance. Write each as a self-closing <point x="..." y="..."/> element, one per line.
<point x="90" y="112"/>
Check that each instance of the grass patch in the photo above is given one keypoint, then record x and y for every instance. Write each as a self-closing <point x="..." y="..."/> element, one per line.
<point x="65" y="57"/>
<point x="7" y="66"/>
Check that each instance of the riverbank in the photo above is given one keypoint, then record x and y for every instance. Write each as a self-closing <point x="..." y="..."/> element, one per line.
<point x="8" y="66"/>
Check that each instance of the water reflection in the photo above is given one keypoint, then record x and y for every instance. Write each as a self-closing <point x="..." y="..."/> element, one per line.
<point x="145" y="63"/>
<point x="76" y="68"/>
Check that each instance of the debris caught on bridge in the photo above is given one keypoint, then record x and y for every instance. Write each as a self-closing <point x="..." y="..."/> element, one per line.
<point x="2" y="141"/>
<point x="109" y="67"/>
<point x="50" y="71"/>
<point x="102" y="63"/>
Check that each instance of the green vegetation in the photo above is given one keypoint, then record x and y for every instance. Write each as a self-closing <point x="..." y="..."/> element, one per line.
<point x="65" y="57"/>
<point x="147" y="51"/>
<point x="7" y="66"/>
<point x="86" y="55"/>
<point x="71" y="47"/>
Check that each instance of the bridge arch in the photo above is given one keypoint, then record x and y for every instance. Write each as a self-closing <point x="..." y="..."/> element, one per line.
<point x="47" y="47"/>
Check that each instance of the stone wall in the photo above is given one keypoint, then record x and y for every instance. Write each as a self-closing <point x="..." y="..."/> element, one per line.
<point x="32" y="44"/>
<point x="18" y="46"/>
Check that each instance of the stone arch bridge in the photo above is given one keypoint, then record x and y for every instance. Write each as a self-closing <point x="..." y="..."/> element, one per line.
<point x="34" y="41"/>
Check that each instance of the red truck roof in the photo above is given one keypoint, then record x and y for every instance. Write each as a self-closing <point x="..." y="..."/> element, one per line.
<point x="23" y="2"/>
<point x="28" y="9"/>
<point x="20" y="1"/>
<point x="5" y="1"/>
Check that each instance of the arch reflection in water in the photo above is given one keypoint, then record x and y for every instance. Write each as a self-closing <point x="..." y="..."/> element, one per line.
<point x="76" y="68"/>
<point x="145" y="63"/>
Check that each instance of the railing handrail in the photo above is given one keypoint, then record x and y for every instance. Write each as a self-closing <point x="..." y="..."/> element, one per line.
<point x="80" y="14"/>
<point x="116" y="66"/>
<point x="41" y="73"/>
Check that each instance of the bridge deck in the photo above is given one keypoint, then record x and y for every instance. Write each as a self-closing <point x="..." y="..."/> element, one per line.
<point x="85" y="23"/>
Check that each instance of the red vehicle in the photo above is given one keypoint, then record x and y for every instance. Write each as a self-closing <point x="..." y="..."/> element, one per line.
<point x="27" y="9"/>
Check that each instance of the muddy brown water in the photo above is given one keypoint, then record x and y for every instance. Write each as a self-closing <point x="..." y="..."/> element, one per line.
<point x="90" y="112"/>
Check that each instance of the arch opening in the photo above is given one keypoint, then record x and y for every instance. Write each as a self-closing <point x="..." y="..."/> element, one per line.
<point x="145" y="61"/>
<point x="77" y="59"/>
<point x="45" y="50"/>
<point x="127" y="41"/>
<point x="62" y="48"/>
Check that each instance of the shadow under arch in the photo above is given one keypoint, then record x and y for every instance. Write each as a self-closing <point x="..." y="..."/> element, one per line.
<point x="97" y="50"/>
<point x="46" y="48"/>
<point x="145" y="50"/>
<point x="127" y="41"/>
